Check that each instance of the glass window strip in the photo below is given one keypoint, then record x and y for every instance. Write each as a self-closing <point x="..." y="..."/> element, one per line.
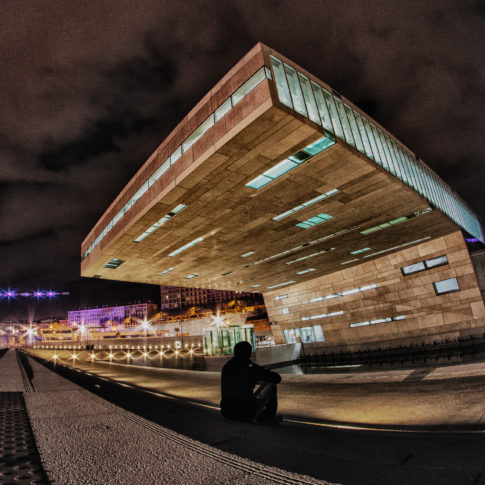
<point x="160" y="222"/>
<point x="355" y="130"/>
<point x="295" y="90"/>
<point x="363" y="135"/>
<point x="314" y="221"/>
<point x="380" y="149"/>
<point x="437" y="195"/>
<point x="372" y="141"/>
<point x="322" y="108"/>
<point x="377" y="321"/>
<point x="248" y="86"/>
<point x="322" y="315"/>
<point x="291" y="162"/>
<point x="385" y="151"/>
<point x="450" y="208"/>
<point x="332" y="109"/>
<point x="306" y="204"/>
<point x="344" y="293"/>
<point x="398" y="220"/>
<point x="449" y="285"/>
<point x="403" y="164"/>
<point x="417" y="241"/>
<point x="281" y="82"/>
<point x="394" y="157"/>
<point x="344" y="121"/>
<point x="223" y="109"/>
<point x="412" y="164"/>
<point x="311" y="105"/>
<point x="186" y="246"/>
<point x="280" y="284"/>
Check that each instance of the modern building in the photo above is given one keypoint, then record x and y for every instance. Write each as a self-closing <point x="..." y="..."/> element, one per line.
<point x="275" y="183"/>
<point x="126" y="315"/>
<point x="177" y="297"/>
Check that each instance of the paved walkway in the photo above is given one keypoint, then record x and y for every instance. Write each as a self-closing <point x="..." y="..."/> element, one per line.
<point x="10" y="376"/>
<point x="83" y="439"/>
<point x="446" y="397"/>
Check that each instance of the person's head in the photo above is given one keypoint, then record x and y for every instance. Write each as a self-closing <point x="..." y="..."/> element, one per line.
<point x="242" y="350"/>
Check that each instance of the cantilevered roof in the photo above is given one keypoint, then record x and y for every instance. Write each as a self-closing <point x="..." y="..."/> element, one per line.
<point x="272" y="179"/>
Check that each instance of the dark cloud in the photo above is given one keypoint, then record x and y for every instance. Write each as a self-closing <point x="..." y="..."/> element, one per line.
<point x="89" y="89"/>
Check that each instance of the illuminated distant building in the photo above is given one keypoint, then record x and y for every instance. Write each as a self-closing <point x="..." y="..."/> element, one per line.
<point x="127" y="315"/>
<point x="277" y="184"/>
<point x="176" y="297"/>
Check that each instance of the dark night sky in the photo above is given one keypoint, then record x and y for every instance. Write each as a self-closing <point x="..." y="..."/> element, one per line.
<point x="89" y="89"/>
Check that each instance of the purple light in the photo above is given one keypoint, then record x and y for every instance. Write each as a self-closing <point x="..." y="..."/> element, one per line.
<point x="32" y="294"/>
<point x="471" y="239"/>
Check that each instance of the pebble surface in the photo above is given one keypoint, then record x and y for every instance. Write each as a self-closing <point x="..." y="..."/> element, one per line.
<point x="10" y="376"/>
<point x="83" y="439"/>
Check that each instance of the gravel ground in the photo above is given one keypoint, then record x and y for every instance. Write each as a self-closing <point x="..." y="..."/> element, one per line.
<point x="10" y="377"/>
<point x="83" y="439"/>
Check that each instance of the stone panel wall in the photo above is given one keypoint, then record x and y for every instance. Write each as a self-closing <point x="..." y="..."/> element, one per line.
<point x="428" y="317"/>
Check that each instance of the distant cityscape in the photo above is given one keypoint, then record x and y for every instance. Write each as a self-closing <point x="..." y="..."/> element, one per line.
<point x="182" y="313"/>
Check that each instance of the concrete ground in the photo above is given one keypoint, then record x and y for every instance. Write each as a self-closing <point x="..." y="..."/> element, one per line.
<point x="83" y="439"/>
<point x="97" y="430"/>
<point x="446" y="397"/>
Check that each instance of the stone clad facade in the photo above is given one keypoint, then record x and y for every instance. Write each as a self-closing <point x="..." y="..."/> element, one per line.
<point x="275" y="183"/>
<point x="428" y="317"/>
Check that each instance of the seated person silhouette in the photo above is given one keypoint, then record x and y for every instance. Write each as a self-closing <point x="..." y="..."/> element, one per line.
<point x="238" y="379"/>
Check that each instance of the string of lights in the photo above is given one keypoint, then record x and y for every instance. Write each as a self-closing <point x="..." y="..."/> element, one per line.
<point x="7" y="294"/>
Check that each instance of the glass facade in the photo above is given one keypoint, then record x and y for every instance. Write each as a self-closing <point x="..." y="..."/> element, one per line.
<point x="342" y="121"/>
<point x="304" y="334"/>
<point x="221" y="341"/>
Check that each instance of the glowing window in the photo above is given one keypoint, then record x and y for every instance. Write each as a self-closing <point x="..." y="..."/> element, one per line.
<point x="114" y="263"/>
<point x="160" y="223"/>
<point x="358" y="251"/>
<point x="322" y="315"/>
<point x="246" y="255"/>
<point x="435" y="262"/>
<point x="314" y="221"/>
<point x="377" y="321"/>
<point x="280" y="284"/>
<point x="193" y="275"/>
<point x="291" y="162"/>
<point x="166" y="271"/>
<point x="309" y="270"/>
<point x="187" y="246"/>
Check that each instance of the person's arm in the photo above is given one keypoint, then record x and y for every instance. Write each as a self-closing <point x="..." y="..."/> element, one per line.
<point x="266" y="375"/>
